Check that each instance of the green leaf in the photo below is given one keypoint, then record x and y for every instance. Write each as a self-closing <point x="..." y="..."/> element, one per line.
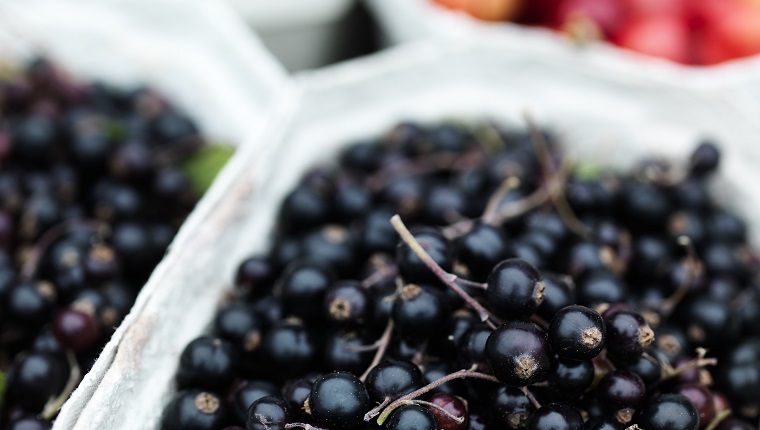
<point x="205" y="164"/>
<point x="2" y="389"/>
<point x="588" y="170"/>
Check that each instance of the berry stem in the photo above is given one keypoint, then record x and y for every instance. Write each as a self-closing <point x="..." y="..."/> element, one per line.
<point x="700" y="361"/>
<point x="29" y="269"/>
<point x="424" y="164"/>
<point x="459" y="420"/>
<point x="443" y="275"/>
<point x="382" y="346"/>
<point x="468" y="283"/>
<point x="692" y="270"/>
<point x="549" y="173"/>
<point x="722" y="415"/>
<point x="303" y="426"/>
<point x="52" y="407"/>
<point x="492" y="207"/>
<point x="464" y="373"/>
<point x="380" y="275"/>
<point x="530" y="397"/>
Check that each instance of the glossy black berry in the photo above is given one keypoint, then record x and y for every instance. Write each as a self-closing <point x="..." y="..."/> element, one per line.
<point x="34" y="379"/>
<point x="393" y="379"/>
<point x="343" y="351"/>
<point x="569" y="378"/>
<point x="412" y="269"/>
<point x="247" y="392"/>
<point x="472" y="347"/>
<point x="209" y="363"/>
<point x="577" y="333"/>
<point x="704" y="160"/>
<point x="195" y="410"/>
<point x="510" y="408"/>
<point x="669" y="412"/>
<point x="647" y="366"/>
<point x="295" y="394"/>
<point x="31" y="303"/>
<point x="519" y="353"/>
<point x="254" y="275"/>
<point x="239" y="324"/>
<point x="601" y="286"/>
<point x="621" y="394"/>
<point x="515" y="289"/>
<point x="711" y="323"/>
<point x="481" y="249"/>
<point x="702" y="399"/>
<point x="302" y="288"/>
<point x="332" y="245"/>
<point x="419" y="310"/>
<point x="604" y="423"/>
<point x="628" y="334"/>
<point x="412" y="417"/>
<point x="559" y="292"/>
<point x="289" y="349"/>
<point x="339" y="400"/>
<point x="556" y="416"/>
<point x="268" y="413"/>
<point x="348" y="305"/>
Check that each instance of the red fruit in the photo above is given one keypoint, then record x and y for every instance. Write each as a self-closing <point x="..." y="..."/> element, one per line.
<point x="702" y="399"/>
<point x="606" y="14"/>
<point x="646" y="7"/>
<point x="452" y="4"/>
<point x="493" y="10"/>
<point x="454" y="406"/>
<point x="75" y="330"/>
<point x="665" y="36"/>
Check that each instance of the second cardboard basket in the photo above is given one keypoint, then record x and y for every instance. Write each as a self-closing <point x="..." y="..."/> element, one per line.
<point x="600" y="117"/>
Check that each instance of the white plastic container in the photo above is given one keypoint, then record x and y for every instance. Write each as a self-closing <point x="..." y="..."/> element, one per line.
<point x="303" y="34"/>
<point x="196" y="52"/>
<point x="602" y="117"/>
<point x="407" y="20"/>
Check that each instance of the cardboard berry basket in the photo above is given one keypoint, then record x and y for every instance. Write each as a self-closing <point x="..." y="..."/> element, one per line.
<point x="605" y="119"/>
<point x="196" y="53"/>
<point x="405" y="20"/>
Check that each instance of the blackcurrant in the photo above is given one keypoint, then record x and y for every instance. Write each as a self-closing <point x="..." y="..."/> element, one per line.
<point x="519" y="353"/>
<point x="338" y="400"/>
<point x="515" y="289"/>
<point x="577" y="333"/>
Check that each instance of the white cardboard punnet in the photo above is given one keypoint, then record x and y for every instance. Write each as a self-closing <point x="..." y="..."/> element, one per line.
<point x="405" y="20"/>
<point x="197" y="53"/>
<point x="605" y="118"/>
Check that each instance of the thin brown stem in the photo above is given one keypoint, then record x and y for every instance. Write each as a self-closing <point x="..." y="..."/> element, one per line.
<point x="692" y="271"/>
<point x="530" y="397"/>
<point x="468" y="283"/>
<point x="443" y="275"/>
<point x="459" y="420"/>
<point x="377" y="409"/>
<point x="414" y="394"/>
<point x="380" y="275"/>
<point x="722" y="415"/>
<point x="303" y="426"/>
<point x="29" y="269"/>
<point x="382" y="343"/>
<point x="700" y="361"/>
<point x="549" y="173"/>
<point x="492" y="207"/>
<point x="75" y="374"/>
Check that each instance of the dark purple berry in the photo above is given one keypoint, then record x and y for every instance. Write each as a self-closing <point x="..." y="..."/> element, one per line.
<point x="339" y="400"/>
<point x="392" y="379"/>
<point x="268" y="413"/>
<point x="556" y="416"/>
<point x="621" y="394"/>
<point x="519" y="353"/>
<point x="195" y="410"/>
<point x="669" y="412"/>
<point x="577" y="333"/>
<point x="412" y="417"/>
<point x="515" y="289"/>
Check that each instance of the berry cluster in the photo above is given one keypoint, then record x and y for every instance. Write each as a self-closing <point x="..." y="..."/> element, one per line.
<point x="91" y="194"/>
<point x="528" y="293"/>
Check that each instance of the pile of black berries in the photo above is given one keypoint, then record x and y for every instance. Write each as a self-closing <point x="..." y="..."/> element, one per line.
<point x="526" y="293"/>
<point x="91" y="194"/>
